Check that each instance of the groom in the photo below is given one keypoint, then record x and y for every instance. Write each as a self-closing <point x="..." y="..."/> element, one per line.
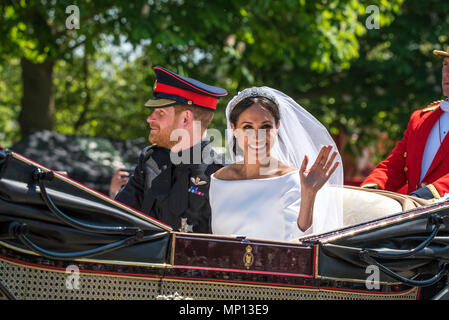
<point x="171" y="179"/>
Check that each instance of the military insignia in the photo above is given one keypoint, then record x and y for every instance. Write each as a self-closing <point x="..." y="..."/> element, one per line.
<point x="195" y="190"/>
<point x="248" y="257"/>
<point x="197" y="181"/>
<point x="185" y="227"/>
<point x="432" y="106"/>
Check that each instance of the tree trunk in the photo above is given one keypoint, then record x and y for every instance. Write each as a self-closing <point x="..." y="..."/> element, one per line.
<point x="82" y="118"/>
<point x="37" y="99"/>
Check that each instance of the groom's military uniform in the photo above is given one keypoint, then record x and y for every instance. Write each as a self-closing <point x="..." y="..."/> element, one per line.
<point x="174" y="187"/>
<point x="175" y="194"/>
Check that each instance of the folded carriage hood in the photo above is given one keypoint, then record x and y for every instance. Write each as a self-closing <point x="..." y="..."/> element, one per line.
<point x="93" y="220"/>
<point x="413" y="244"/>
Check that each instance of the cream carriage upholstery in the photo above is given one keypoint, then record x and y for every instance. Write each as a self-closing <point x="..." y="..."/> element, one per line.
<point x="361" y="205"/>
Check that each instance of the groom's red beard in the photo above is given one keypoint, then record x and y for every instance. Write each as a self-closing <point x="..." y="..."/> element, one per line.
<point x="161" y="137"/>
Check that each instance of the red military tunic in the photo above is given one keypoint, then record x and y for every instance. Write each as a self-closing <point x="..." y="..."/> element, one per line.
<point x="401" y="171"/>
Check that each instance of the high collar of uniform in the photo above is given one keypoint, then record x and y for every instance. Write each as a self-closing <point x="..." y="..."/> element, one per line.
<point x="444" y="105"/>
<point x="194" y="154"/>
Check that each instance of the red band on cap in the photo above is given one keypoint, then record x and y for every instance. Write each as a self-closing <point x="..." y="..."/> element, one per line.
<point x="174" y="76"/>
<point x="196" y="98"/>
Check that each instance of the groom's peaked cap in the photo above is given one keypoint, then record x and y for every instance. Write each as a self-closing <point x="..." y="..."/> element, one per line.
<point x="171" y="89"/>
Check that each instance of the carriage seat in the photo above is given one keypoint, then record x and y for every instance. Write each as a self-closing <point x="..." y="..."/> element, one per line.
<point x="361" y="205"/>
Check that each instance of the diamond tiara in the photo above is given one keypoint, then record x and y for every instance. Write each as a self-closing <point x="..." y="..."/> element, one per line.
<point x="253" y="92"/>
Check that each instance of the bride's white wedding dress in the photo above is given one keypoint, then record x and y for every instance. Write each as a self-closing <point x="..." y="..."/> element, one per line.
<point x="257" y="208"/>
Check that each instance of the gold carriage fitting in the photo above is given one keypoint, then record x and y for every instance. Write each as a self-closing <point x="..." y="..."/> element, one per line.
<point x="62" y="240"/>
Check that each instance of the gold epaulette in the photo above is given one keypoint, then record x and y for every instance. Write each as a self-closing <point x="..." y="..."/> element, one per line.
<point x="432" y="106"/>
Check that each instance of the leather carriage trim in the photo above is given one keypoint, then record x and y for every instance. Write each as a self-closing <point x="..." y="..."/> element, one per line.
<point x="172" y="249"/>
<point x="380" y="293"/>
<point x="245" y="271"/>
<point x="357" y="280"/>
<point x="293" y="287"/>
<point x="128" y="263"/>
<point x="168" y="278"/>
<point x="145" y="264"/>
<point x="219" y="237"/>
<point x="240" y="283"/>
<point x="150" y="277"/>
<point x="167" y="283"/>
<point x="46" y="267"/>
<point x="94" y="192"/>
<point x="316" y="249"/>
<point x="382" y="222"/>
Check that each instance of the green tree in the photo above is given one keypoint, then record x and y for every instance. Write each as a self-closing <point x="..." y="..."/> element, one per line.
<point x="290" y="45"/>
<point x="37" y="32"/>
<point x="10" y="93"/>
<point x="395" y="75"/>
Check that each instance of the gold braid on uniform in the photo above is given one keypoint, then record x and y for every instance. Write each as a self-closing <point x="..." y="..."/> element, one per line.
<point x="432" y="106"/>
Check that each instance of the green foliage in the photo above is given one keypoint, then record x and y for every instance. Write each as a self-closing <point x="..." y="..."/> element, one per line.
<point x="112" y="103"/>
<point x="357" y="81"/>
<point x="395" y="75"/>
<point x="10" y="92"/>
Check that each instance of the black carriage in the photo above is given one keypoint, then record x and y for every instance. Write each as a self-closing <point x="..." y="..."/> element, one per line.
<point x="62" y="240"/>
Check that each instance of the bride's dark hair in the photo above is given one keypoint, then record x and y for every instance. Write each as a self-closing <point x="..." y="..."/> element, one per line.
<point x="240" y="107"/>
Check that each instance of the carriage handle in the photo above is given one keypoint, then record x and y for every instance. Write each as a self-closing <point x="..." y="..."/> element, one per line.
<point x="20" y="231"/>
<point x="365" y="256"/>
<point x="40" y="176"/>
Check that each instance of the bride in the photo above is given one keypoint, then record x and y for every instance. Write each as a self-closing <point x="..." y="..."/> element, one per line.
<point x="262" y="193"/>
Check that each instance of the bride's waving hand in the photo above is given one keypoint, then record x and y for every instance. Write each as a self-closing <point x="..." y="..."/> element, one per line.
<point x="312" y="180"/>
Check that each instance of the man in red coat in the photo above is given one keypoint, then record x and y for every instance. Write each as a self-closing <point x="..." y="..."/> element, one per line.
<point x="419" y="164"/>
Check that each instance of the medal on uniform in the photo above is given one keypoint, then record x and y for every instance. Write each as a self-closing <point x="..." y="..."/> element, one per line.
<point x="195" y="190"/>
<point x="197" y="181"/>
